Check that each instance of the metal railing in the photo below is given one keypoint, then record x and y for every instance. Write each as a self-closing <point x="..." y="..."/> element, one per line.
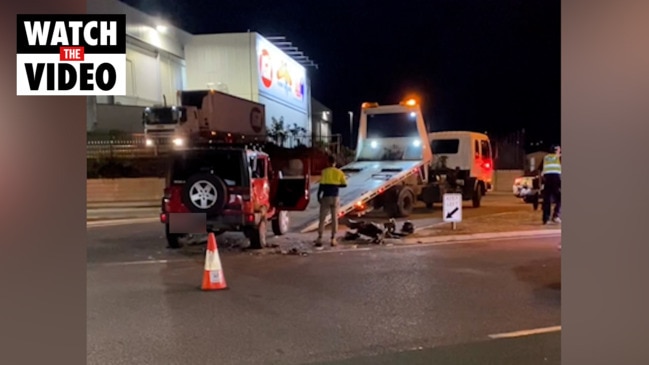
<point x="134" y="146"/>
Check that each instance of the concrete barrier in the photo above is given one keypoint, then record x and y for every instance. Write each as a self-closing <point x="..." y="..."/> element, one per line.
<point x="100" y="191"/>
<point x="123" y="190"/>
<point x="150" y="189"/>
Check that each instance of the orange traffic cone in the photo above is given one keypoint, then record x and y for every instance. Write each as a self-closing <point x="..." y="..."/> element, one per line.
<point x="213" y="278"/>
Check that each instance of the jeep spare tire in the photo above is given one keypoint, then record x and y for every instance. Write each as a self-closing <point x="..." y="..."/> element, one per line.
<point x="205" y="193"/>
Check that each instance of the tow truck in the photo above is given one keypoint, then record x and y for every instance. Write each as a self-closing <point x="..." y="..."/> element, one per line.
<point x="393" y="167"/>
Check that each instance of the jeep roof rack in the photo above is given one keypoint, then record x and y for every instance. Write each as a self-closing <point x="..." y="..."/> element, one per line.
<point x="227" y="140"/>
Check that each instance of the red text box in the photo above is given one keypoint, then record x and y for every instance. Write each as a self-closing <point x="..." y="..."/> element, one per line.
<point x="71" y="54"/>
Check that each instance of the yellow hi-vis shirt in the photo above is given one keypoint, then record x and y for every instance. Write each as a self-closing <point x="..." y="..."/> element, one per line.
<point x="551" y="164"/>
<point x="331" y="179"/>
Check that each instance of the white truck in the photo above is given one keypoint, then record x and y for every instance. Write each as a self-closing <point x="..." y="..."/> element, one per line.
<point x="394" y="167"/>
<point x="203" y="114"/>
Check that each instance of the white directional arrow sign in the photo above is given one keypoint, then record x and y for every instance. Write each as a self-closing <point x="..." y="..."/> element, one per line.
<point x="452" y="211"/>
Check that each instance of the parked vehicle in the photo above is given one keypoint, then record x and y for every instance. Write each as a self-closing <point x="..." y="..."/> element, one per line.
<point x="202" y="115"/>
<point x="528" y="188"/>
<point x="237" y="190"/>
<point x="394" y="166"/>
<point x="470" y="153"/>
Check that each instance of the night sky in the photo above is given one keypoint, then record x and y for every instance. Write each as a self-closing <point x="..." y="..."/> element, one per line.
<point x="477" y="65"/>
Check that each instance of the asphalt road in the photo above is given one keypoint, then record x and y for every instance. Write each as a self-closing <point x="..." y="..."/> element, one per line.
<point x="385" y="305"/>
<point x="493" y="203"/>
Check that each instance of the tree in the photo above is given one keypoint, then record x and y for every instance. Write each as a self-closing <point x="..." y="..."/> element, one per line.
<point x="277" y="131"/>
<point x="296" y="131"/>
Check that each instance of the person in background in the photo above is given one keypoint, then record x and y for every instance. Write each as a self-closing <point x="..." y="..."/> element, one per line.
<point x="331" y="180"/>
<point x="550" y="169"/>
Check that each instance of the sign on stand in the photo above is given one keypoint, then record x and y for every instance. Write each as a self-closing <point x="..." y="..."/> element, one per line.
<point x="452" y="211"/>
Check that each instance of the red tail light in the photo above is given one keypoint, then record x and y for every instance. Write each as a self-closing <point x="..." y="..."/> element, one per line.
<point x="487" y="164"/>
<point x="172" y="201"/>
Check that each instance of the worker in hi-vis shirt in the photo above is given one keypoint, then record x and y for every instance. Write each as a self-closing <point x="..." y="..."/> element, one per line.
<point x="331" y="180"/>
<point x="550" y="169"/>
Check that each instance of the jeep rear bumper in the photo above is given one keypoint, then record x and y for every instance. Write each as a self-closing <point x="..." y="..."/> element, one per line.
<point x="224" y="222"/>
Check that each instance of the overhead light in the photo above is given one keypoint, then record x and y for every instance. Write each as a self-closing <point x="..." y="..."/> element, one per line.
<point x="374" y="144"/>
<point x="161" y="28"/>
<point x="413" y="114"/>
<point x="416" y="143"/>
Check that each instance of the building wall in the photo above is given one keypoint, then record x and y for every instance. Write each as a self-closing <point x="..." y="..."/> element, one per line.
<point x="321" y="120"/>
<point x="125" y="118"/>
<point x="221" y="61"/>
<point x="142" y="26"/>
<point x="231" y="62"/>
<point x="283" y="86"/>
<point x="154" y="66"/>
<point x="534" y="159"/>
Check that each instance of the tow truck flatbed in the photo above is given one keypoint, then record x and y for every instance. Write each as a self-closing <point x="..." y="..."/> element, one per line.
<point x="365" y="180"/>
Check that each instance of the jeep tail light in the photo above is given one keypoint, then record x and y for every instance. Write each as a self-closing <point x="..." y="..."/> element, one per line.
<point x="235" y="199"/>
<point x="172" y="201"/>
<point x="163" y="218"/>
<point x="235" y="202"/>
<point x="250" y="218"/>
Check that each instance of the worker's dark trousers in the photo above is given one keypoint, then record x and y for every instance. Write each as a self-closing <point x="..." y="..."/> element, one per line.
<point x="551" y="193"/>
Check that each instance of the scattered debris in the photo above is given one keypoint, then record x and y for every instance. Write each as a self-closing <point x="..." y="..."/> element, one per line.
<point x="408" y="227"/>
<point x="293" y="252"/>
<point x="351" y="236"/>
<point x="376" y="232"/>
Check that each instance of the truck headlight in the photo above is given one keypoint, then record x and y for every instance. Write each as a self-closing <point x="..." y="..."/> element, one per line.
<point x="149" y="142"/>
<point x="178" y="142"/>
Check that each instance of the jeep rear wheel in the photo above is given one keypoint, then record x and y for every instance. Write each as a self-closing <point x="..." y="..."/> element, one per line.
<point x="173" y="239"/>
<point x="280" y="223"/>
<point x="204" y="193"/>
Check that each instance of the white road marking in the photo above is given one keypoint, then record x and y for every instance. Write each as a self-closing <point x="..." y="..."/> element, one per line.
<point x="522" y="333"/>
<point x="144" y="262"/>
<point x="478" y="239"/>
<point x="432" y="244"/>
<point x="120" y="222"/>
<point x="343" y="250"/>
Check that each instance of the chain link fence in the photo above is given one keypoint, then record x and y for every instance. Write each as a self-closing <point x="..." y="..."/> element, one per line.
<point x="509" y="150"/>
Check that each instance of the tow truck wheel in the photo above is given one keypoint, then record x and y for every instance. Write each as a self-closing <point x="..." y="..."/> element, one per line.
<point x="403" y="204"/>
<point x="477" y="196"/>
<point x="280" y="223"/>
<point x="406" y="202"/>
<point x="378" y="202"/>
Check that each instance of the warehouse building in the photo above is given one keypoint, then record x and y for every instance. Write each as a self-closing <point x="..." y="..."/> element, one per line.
<point x="162" y="59"/>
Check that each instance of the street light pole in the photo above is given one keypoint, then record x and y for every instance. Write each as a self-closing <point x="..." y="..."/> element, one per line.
<point x="351" y="128"/>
